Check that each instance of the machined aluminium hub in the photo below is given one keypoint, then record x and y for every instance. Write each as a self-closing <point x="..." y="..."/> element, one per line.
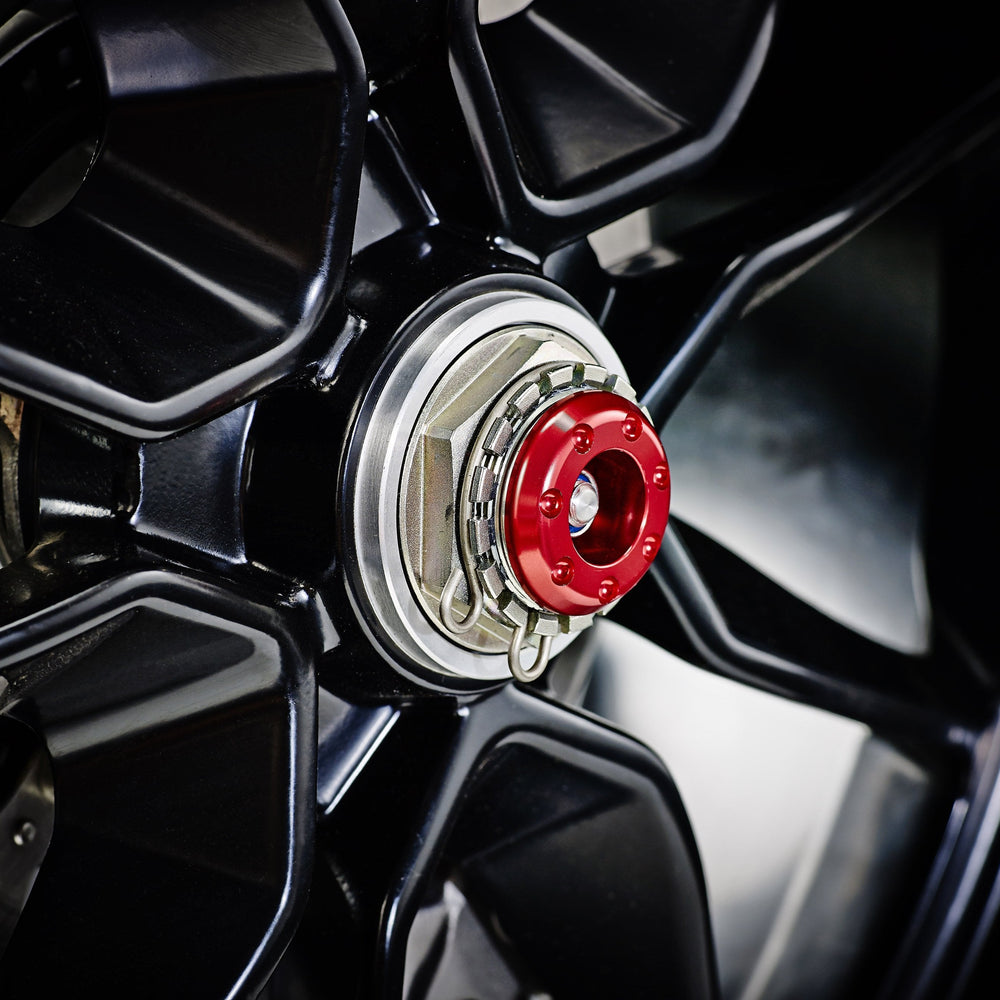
<point x="503" y="487"/>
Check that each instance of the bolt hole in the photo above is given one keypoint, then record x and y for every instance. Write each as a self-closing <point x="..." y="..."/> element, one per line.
<point x="618" y="523"/>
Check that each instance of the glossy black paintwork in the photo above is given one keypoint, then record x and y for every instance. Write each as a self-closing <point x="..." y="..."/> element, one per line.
<point x="190" y="487"/>
<point x="163" y="631"/>
<point x="44" y="79"/>
<point x="213" y="230"/>
<point x="742" y="625"/>
<point x="540" y="813"/>
<point x="389" y="200"/>
<point x="203" y="696"/>
<point x="575" y="119"/>
<point x="511" y="722"/>
<point x="751" y="277"/>
<point x="564" y="817"/>
<point x="540" y="147"/>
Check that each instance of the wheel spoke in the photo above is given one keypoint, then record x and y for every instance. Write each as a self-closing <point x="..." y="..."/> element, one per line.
<point x="928" y="703"/>
<point x="752" y="276"/>
<point x="574" y="121"/>
<point x="179" y="720"/>
<point x="495" y="794"/>
<point x="212" y="231"/>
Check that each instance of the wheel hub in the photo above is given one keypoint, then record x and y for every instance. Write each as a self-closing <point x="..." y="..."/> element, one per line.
<point x="504" y="486"/>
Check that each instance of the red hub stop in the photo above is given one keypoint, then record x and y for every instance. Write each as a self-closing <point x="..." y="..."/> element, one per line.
<point x="586" y="503"/>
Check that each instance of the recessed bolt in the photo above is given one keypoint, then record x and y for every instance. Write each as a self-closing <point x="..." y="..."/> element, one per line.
<point x="24" y="833"/>
<point x="562" y="572"/>
<point x="550" y="503"/>
<point x="631" y="427"/>
<point x="583" y="438"/>
<point x="614" y="498"/>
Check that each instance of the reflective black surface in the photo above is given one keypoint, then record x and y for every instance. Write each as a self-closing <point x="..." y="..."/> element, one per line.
<point x="181" y="736"/>
<point x="212" y="232"/>
<point x="275" y="190"/>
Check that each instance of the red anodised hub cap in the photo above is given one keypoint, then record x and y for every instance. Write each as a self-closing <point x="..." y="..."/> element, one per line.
<point x="603" y="439"/>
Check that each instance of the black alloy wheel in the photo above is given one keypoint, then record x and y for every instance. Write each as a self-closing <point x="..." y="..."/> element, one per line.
<point x="218" y="223"/>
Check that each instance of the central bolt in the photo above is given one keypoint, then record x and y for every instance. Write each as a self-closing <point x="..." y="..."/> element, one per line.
<point x="583" y="504"/>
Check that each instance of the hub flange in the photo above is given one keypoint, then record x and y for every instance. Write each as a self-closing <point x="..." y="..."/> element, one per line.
<point x="457" y="409"/>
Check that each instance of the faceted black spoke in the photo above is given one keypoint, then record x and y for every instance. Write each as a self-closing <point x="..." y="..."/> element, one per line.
<point x="729" y="617"/>
<point x="511" y="802"/>
<point x="179" y="721"/>
<point x="556" y="120"/>
<point x="577" y="119"/>
<point x="212" y="232"/>
<point x="752" y="275"/>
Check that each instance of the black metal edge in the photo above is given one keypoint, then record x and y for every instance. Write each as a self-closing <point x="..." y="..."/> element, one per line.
<point x="28" y="377"/>
<point x="898" y="719"/>
<point x="543" y="224"/>
<point x="752" y="277"/>
<point x="515" y="715"/>
<point x="145" y="587"/>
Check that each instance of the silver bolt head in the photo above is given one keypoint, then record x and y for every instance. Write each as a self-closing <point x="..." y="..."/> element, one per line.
<point x="584" y="503"/>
